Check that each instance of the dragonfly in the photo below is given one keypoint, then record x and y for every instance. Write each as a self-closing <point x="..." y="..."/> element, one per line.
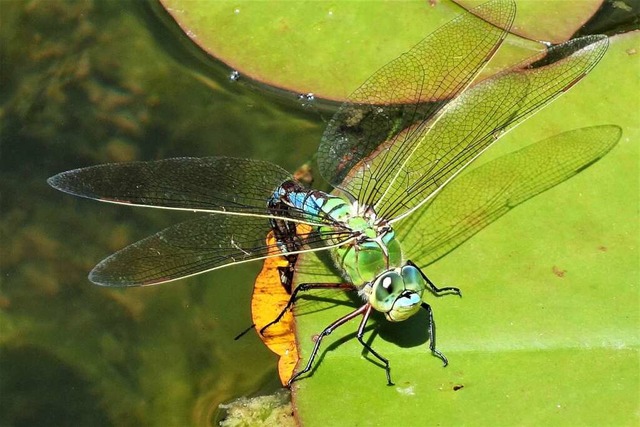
<point x="406" y="133"/>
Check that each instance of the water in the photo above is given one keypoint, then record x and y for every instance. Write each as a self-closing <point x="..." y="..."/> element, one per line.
<point x="87" y="82"/>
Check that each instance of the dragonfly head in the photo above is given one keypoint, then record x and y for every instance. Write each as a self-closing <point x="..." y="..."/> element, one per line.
<point x="397" y="293"/>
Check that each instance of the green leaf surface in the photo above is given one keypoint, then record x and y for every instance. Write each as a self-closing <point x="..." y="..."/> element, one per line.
<point x="553" y="21"/>
<point x="327" y="48"/>
<point x="547" y="330"/>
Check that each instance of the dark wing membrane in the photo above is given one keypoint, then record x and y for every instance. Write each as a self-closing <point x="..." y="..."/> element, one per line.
<point x="467" y="126"/>
<point x="218" y="184"/>
<point x="409" y="90"/>
<point x="192" y="247"/>
<point x="479" y="197"/>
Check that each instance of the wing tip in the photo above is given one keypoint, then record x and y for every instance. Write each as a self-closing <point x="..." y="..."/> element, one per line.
<point x="99" y="277"/>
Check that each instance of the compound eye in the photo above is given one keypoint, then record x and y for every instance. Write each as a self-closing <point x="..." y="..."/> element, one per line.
<point x="385" y="291"/>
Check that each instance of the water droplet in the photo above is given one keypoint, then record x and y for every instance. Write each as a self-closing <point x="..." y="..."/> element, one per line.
<point x="234" y="76"/>
<point x="306" y="99"/>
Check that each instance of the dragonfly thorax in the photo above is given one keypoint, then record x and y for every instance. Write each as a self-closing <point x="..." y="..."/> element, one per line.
<point x="373" y="251"/>
<point x="363" y="228"/>
<point x="370" y="247"/>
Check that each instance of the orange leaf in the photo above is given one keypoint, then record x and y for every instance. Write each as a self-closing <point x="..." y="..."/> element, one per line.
<point x="270" y="297"/>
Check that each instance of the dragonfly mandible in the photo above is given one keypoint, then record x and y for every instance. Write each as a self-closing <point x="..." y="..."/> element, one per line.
<point x="405" y="134"/>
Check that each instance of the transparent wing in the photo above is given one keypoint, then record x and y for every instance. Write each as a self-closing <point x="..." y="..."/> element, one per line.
<point x="406" y="91"/>
<point x="209" y="184"/>
<point x="479" y="197"/>
<point x="203" y="244"/>
<point x="429" y="156"/>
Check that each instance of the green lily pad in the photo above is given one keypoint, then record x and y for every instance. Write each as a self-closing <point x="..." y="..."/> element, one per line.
<point x="327" y="48"/>
<point x="549" y="21"/>
<point x="547" y="330"/>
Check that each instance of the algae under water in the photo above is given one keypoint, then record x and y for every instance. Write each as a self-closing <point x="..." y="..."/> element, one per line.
<point x="90" y="83"/>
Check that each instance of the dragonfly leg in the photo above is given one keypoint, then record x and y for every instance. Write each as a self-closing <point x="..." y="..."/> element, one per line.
<point x="436" y="291"/>
<point x="385" y="361"/>
<point x="432" y="336"/>
<point x="243" y="333"/>
<point x="362" y="310"/>
<point x="303" y="288"/>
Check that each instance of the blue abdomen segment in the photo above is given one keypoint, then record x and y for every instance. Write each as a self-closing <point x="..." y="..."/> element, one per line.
<point x="316" y="208"/>
<point x="293" y="200"/>
<point x="303" y="201"/>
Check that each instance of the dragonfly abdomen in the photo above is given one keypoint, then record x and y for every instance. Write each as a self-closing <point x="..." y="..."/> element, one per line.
<point x="311" y="207"/>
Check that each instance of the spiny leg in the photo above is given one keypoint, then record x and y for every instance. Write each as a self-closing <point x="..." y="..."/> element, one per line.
<point x="323" y="334"/>
<point x="436" y="291"/>
<point x="432" y="335"/>
<point x="303" y="288"/>
<point x="363" y="323"/>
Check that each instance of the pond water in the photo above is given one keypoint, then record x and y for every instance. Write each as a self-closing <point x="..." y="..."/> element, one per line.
<point x="90" y="82"/>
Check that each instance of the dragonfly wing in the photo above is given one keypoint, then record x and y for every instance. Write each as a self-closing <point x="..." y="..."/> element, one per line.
<point x="203" y="244"/>
<point x="213" y="184"/>
<point x="471" y="123"/>
<point x="479" y="197"/>
<point x="409" y="90"/>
